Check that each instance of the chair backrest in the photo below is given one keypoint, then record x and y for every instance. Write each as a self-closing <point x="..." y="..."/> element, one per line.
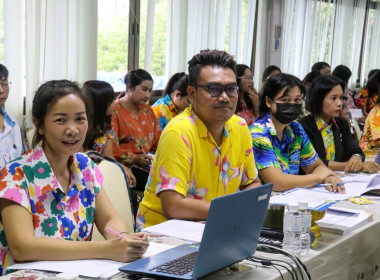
<point x="357" y="130"/>
<point x="116" y="187"/>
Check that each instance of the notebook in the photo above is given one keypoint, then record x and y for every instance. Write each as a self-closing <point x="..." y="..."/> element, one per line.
<point x="231" y="234"/>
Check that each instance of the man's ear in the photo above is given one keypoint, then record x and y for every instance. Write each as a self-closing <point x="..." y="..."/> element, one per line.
<point x="191" y="93"/>
<point x="39" y="128"/>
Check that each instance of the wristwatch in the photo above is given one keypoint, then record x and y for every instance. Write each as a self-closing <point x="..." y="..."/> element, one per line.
<point x="359" y="155"/>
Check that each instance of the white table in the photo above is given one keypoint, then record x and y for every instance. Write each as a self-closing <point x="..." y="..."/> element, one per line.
<point x="355" y="255"/>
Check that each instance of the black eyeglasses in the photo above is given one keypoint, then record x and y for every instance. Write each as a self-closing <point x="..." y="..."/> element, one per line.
<point x="215" y="90"/>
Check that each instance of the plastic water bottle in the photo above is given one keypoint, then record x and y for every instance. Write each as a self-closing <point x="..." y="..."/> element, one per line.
<point x="306" y="224"/>
<point x="292" y="230"/>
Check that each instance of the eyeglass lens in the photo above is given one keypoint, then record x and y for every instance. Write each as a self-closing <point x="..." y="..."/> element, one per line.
<point x="216" y="90"/>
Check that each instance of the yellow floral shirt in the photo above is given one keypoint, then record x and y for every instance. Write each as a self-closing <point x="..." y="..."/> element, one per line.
<point x="189" y="162"/>
<point x="370" y="140"/>
<point x="328" y="137"/>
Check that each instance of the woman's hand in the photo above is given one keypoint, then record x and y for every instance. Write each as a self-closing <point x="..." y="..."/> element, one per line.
<point x="337" y="184"/>
<point x="370" y="167"/>
<point x="127" y="249"/>
<point x="131" y="178"/>
<point x="143" y="160"/>
<point x="354" y="164"/>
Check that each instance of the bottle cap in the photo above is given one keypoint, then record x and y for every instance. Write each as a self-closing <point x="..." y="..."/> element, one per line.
<point x="293" y="207"/>
<point x="303" y="205"/>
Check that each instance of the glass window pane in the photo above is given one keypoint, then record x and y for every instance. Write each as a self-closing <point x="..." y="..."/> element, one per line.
<point x="157" y="66"/>
<point x="113" y="20"/>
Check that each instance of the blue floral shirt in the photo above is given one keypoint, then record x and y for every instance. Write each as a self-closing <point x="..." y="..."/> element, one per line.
<point x="10" y="139"/>
<point x="293" y="151"/>
<point x="30" y="182"/>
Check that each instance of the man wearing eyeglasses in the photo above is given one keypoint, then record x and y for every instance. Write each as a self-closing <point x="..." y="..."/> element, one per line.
<point x="10" y="135"/>
<point x="204" y="152"/>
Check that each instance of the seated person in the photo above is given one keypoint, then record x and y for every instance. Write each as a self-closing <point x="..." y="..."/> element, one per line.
<point x="329" y="133"/>
<point x="204" y="152"/>
<point x="175" y="99"/>
<point x="307" y="80"/>
<point x="248" y="97"/>
<point x="136" y="128"/>
<point x="366" y="97"/>
<point x="52" y="196"/>
<point x="269" y="72"/>
<point x="280" y="144"/>
<point x="10" y="134"/>
<point x="101" y="96"/>
<point x="343" y="73"/>
<point x="370" y="140"/>
<point x="322" y="67"/>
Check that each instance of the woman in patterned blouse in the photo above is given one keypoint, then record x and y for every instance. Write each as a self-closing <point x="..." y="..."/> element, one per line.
<point x="281" y="146"/>
<point x="137" y="129"/>
<point x="51" y="197"/>
<point x="330" y="133"/>
<point x="248" y="99"/>
<point x="101" y="97"/>
<point x="174" y="100"/>
<point x="366" y="98"/>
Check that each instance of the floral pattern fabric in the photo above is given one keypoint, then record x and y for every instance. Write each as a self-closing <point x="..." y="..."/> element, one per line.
<point x="164" y="110"/>
<point x="189" y="162"/>
<point x="100" y="142"/>
<point x="370" y="140"/>
<point x="363" y="97"/>
<point x="246" y="113"/>
<point x="10" y="139"/>
<point x="135" y="133"/>
<point x="294" y="151"/>
<point x="30" y="182"/>
<point x="328" y="137"/>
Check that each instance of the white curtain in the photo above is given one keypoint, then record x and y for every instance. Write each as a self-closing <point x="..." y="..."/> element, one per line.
<point x="13" y="55"/>
<point x="60" y="43"/>
<point x="320" y="31"/>
<point x="372" y="50"/>
<point x="200" y="24"/>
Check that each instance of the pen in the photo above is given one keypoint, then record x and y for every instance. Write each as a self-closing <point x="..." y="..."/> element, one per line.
<point x="328" y="185"/>
<point x="114" y="232"/>
<point x="145" y="153"/>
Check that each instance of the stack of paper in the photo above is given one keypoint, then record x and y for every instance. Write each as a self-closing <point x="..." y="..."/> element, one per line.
<point x="179" y="229"/>
<point x="342" y="220"/>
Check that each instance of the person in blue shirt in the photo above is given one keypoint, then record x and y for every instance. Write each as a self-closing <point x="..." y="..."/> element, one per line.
<point x="174" y="101"/>
<point x="280" y="145"/>
<point x="10" y="134"/>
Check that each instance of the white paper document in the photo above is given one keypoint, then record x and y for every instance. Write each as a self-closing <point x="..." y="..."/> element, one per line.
<point x="102" y="269"/>
<point x="185" y="230"/>
<point x="342" y="221"/>
<point x="320" y="198"/>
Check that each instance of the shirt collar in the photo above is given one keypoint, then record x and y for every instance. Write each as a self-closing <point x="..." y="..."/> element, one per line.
<point x="7" y="118"/>
<point x="42" y="170"/>
<point x="322" y="125"/>
<point x="202" y="129"/>
<point x="269" y="123"/>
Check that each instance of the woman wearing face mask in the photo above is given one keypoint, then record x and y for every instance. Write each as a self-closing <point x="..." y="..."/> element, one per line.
<point x="280" y="144"/>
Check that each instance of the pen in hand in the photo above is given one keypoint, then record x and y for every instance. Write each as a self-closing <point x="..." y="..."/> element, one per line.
<point x="328" y="185"/>
<point x="114" y="232"/>
<point x="150" y="161"/>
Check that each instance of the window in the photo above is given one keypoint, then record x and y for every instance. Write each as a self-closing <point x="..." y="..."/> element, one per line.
<point x="113" y="26"/>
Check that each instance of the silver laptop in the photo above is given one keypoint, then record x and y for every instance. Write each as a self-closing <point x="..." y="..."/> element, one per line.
<point x="231" y="234"/>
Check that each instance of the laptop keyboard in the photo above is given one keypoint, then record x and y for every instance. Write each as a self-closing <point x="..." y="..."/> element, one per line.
<point x="179" y="266"/>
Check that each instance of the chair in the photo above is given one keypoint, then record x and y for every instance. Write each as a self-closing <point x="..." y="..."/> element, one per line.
<point x="116" y="186"/>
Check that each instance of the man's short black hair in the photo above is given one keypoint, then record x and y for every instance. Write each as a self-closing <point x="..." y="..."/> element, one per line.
<point x="209" y="58"/>
<point x="3" y="72"/>
<point x="318" y="66"/>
